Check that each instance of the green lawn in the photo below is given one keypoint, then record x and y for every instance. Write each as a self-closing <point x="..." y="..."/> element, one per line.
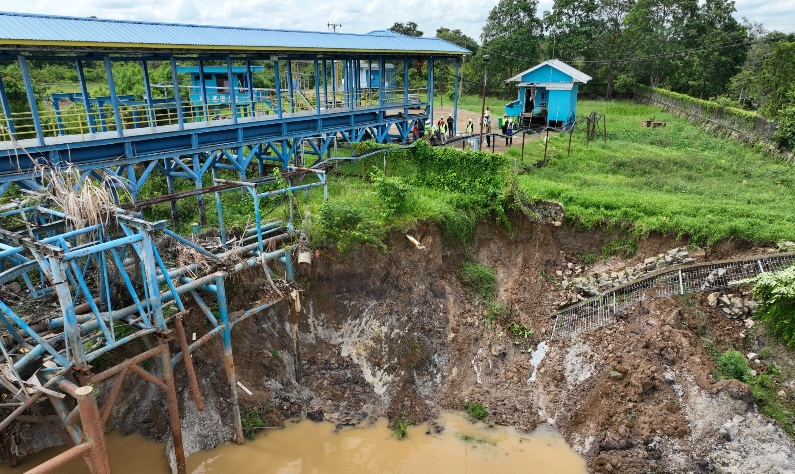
<point x="676" y="179"/>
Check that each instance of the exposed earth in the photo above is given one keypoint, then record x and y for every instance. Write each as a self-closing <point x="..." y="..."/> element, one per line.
<point x="396" y="334"/>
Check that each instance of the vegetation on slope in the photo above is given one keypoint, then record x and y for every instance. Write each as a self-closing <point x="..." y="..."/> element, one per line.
<point x="674" y="179"/>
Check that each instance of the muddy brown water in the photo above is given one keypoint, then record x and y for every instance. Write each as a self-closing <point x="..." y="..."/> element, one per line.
<point x="308" y="447"/>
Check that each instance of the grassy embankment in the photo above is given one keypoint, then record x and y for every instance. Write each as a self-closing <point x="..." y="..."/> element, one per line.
<point x="675" y="179"/>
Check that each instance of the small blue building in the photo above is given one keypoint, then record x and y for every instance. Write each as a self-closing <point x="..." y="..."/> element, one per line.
<point x="547" y="94"/>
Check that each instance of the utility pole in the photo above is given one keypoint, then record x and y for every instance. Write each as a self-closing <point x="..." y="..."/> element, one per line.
<point x="483" y="107"/>
<point x="333" y="27"/>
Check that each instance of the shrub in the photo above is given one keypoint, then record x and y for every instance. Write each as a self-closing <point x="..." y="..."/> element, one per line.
<point x="785" y="132"/>
<point x="392" y="190"/>
<point x="733" y="365"/>
<point x="253" y="421"/>
<point x="347" y="226"/>
<point x="476" y="410"/>
<point x="775" y="292"/>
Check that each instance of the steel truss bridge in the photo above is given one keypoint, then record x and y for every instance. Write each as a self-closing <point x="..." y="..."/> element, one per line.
<point x="125" y="278"/>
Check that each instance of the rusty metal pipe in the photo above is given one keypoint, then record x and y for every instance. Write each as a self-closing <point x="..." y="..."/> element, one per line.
<point x="126" y="364"/>
<point x="61" y="459"/>
<point x="173" y="405"/>
<point x="97" y="456"/>
<point x="186" y="357"/>
<point x="141" y="372"/>
<point x="111" y="399"/>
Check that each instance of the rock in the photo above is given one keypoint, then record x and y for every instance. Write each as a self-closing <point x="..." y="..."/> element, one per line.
<point x="317" y="416"/>
<point x="616" y="376"/>
<point x="724" y="300"/>
<point x="782" y="394"/>
<point x="669" y="377"/>
<point x="498" y="350"/>
<point x="751" y="355"/>
<point x="15" y="288"/>
<point x="729" y="430"/>
<point x="559" y="272"/>
<point x="712" y="299"/>
<point x="749" y="323"/>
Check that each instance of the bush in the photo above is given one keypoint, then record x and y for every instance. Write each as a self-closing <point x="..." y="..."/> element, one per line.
<point x="480" y="279"/>
<point x="253" y="421"/>
<point x="348" y="226"/>
<point x="392" y="190"/>
<point x="476" y="410"/>
<point x="733" y="365"/>
<point x="775" y="292"/>
<point x="785" y="133"/>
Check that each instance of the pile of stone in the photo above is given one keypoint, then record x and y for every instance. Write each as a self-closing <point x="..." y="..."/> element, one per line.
<point x="580" y="286"/>
<point x="786" y="247"/>
<point x="734" y="306"/>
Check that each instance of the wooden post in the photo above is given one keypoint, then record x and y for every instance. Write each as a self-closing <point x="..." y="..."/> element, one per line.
<point x="523" y="135"/>
<point x="546" y="143"/>
<point x="604" y="124"/>
<point x="571" y="132"/>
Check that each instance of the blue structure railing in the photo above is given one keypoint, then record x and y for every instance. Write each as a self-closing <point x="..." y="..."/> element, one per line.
<point x="217" y="118"/>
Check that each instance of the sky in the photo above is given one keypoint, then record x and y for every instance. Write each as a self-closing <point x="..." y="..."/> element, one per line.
<point x="354" y="16"/>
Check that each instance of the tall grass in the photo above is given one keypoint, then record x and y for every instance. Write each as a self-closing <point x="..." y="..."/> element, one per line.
<point x="675" y="179"/>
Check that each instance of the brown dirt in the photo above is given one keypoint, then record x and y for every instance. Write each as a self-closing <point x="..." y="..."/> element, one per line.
<point x="397" y="334"/>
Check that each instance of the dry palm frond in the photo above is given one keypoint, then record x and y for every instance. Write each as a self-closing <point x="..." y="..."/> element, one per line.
<point x="85" y="201"/>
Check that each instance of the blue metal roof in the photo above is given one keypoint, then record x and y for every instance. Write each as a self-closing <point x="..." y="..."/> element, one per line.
<point x="28" y="31"/>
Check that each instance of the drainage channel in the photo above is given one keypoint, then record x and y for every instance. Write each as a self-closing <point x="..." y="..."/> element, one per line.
<point x="602" y="309"/>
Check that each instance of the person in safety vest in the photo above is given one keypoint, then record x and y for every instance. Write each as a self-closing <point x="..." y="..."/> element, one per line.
<point x="470" y="127"/>
<point x="443" y="131"/>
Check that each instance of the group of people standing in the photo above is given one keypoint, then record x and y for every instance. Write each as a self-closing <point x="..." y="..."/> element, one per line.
<point x="440" y="131"/>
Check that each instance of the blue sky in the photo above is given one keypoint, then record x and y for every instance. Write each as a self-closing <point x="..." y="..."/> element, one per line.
<point x="355" y="16"/>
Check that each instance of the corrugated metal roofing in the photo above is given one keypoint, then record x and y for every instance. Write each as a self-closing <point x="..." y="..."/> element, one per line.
<point x="44" y="30"/>
<point x="575" y="74"/>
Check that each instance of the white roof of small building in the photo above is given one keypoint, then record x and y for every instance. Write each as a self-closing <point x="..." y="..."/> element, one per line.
<point x="576" y="75"/>
<point x="552" y="86"/>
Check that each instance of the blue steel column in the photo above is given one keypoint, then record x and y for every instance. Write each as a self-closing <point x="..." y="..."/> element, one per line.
<point x="278" y="84"/>
<point x="150" y="278"/>
<point x="150" y="110"/>
<point x="406" y="86"/>
<point x="71" y="327"/>
<point x="200" y="198"/>
<point x="334" y="84"/>
<point x="430" y="88"/>
<point x="455" y="94"/>
<point x="317" y="89"/>
<point x="7" y="110"/>
<point x="23" y="66"/>
<point x="114" y="99"/>
<point x="232" y="89"/>
<point x="223" y="313"/>
<point x="177" y="99"/>
<point x="92" y="126"/>
<point x="382" y="81"/>
<point x="204" y="92"/>
<point x="250" y="80"/>
<point x="325" y="85"/>
<point x="290" y="84"/>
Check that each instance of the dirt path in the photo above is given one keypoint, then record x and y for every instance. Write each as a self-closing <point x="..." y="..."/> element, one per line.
<point x="533" y="151"/>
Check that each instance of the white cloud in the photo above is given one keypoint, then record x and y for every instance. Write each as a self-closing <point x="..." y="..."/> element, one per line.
<point x="356" y="16"/>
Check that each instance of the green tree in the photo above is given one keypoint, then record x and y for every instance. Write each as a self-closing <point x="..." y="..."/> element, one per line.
<point x="512" y="38"/>
<point x="589" y="35"/>
<point x="409" y="29"/>
<point x="658" y="32"/>
<point x="718" y="45"/>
